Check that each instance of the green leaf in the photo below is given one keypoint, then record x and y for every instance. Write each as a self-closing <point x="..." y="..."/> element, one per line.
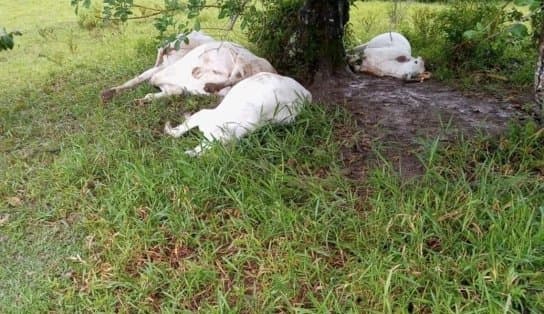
<point x="518" y="30"/>
<point x="6" y="39"/>
<point x="75" y="3"/>
<point x="471" y="34"/>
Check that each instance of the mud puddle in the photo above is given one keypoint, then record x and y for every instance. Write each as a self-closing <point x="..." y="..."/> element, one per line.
<point x="397" y="117"/>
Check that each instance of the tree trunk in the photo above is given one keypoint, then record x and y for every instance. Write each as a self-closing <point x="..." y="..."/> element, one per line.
<point x="539" y="77"/>
<point x="322" y="33"/>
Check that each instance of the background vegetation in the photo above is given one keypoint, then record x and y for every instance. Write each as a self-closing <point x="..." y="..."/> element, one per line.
<point x="100" y="212"/>
<point x="467" y="41"/>
<point x="489" y="45"/>
<point x="479" y="42"/>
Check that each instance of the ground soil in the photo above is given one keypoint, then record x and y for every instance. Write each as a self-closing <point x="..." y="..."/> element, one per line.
<point x="397" y="118"/>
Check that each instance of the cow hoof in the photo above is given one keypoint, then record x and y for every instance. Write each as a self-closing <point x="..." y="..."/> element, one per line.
<point x="212" y="87"/>
<point x="425" y="76"/>
<point x="107" y="95"/>
<point x="192" y="153"/>
<point x="168" y="128"/>
<point x="140" y="101"/>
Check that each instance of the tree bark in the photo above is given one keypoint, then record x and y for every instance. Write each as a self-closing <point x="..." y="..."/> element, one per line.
<point x="322" y="33"/>
<point x="539" y="77"/>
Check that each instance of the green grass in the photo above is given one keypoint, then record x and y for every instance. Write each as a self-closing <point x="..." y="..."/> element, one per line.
<point x="101" y="212"/>
<point x="370" y="18"/>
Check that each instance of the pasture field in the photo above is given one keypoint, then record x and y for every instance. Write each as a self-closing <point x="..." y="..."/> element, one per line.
<point x="100" y="212"/>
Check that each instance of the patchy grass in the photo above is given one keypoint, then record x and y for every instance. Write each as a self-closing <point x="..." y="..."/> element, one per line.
<point x="100" y="212"/>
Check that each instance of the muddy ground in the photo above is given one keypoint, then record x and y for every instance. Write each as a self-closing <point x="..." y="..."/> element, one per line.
<point x="398" y="117"/>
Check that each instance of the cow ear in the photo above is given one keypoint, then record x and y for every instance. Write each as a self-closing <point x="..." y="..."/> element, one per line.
<point x="402" y="59"/>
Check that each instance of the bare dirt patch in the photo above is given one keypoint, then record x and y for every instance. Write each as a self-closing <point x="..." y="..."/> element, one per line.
<point x="397" y="117"/>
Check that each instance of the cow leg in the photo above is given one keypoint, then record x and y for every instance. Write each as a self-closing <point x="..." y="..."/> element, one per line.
<point x="199" y="149"/>
<point x="178" y="130"/>
<point x="108" y="94"/>
<point x="212" y="133"/>
<point x="217" y="135"/>
<point x="192" y="122"/>
<point x="166" y="90"/>
<point x="149" y="97"/>
<point x="189" y="123"/>
<point x="160" y="56"/>
<point x="359" y="49"/>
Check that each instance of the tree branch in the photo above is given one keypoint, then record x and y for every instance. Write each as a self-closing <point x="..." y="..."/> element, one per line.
<point x="147" y="8"/>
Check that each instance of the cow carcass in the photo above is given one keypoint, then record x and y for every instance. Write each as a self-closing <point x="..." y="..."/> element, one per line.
<point x="388" y="54"/>
<point x="211" y="67"/>
<point x="257" y="100"/>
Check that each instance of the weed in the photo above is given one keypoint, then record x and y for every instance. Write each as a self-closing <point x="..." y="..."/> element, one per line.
<point x="90" y="18"/>
<point x="47" y="33"/>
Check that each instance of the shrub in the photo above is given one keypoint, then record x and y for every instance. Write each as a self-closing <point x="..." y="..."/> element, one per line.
<point x="90" y="18"/>
<point x="537" y="21"/>
<point x="426" y="38"/>
<point x="472" y="37"/>
<point x="274" y="31"/>
<point x="477" y="52"/>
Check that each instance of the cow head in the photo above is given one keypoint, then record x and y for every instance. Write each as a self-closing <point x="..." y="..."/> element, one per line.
<point x="409" y="68"/>
<point x="402" y="67"/>
<point x="355" y="62"/>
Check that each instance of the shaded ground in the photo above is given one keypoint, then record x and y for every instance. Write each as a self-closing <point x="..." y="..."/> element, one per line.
<point x="397" y="117"/>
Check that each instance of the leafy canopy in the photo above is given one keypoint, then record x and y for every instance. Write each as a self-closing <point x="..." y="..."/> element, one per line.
<point x="165" y="16"/>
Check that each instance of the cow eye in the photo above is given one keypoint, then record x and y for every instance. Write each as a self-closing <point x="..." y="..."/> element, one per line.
<point x="415" y="62"/>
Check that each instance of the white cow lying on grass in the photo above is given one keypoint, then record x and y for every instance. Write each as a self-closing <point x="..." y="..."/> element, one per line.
<point x="165" y="56"/>
<point x="255" y="101"/>
<point x="388" y="54"/>
<point x="199" y="71"/>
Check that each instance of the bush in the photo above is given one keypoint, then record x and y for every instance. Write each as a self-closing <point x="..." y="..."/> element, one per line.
<point x="426" y="38"/>
<point x="478" y="52"/>
<point x="472" y="37"/>
<point x="537" y="21"/>
<point x="90" y="18"/>
<point x="274" y="31"/>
